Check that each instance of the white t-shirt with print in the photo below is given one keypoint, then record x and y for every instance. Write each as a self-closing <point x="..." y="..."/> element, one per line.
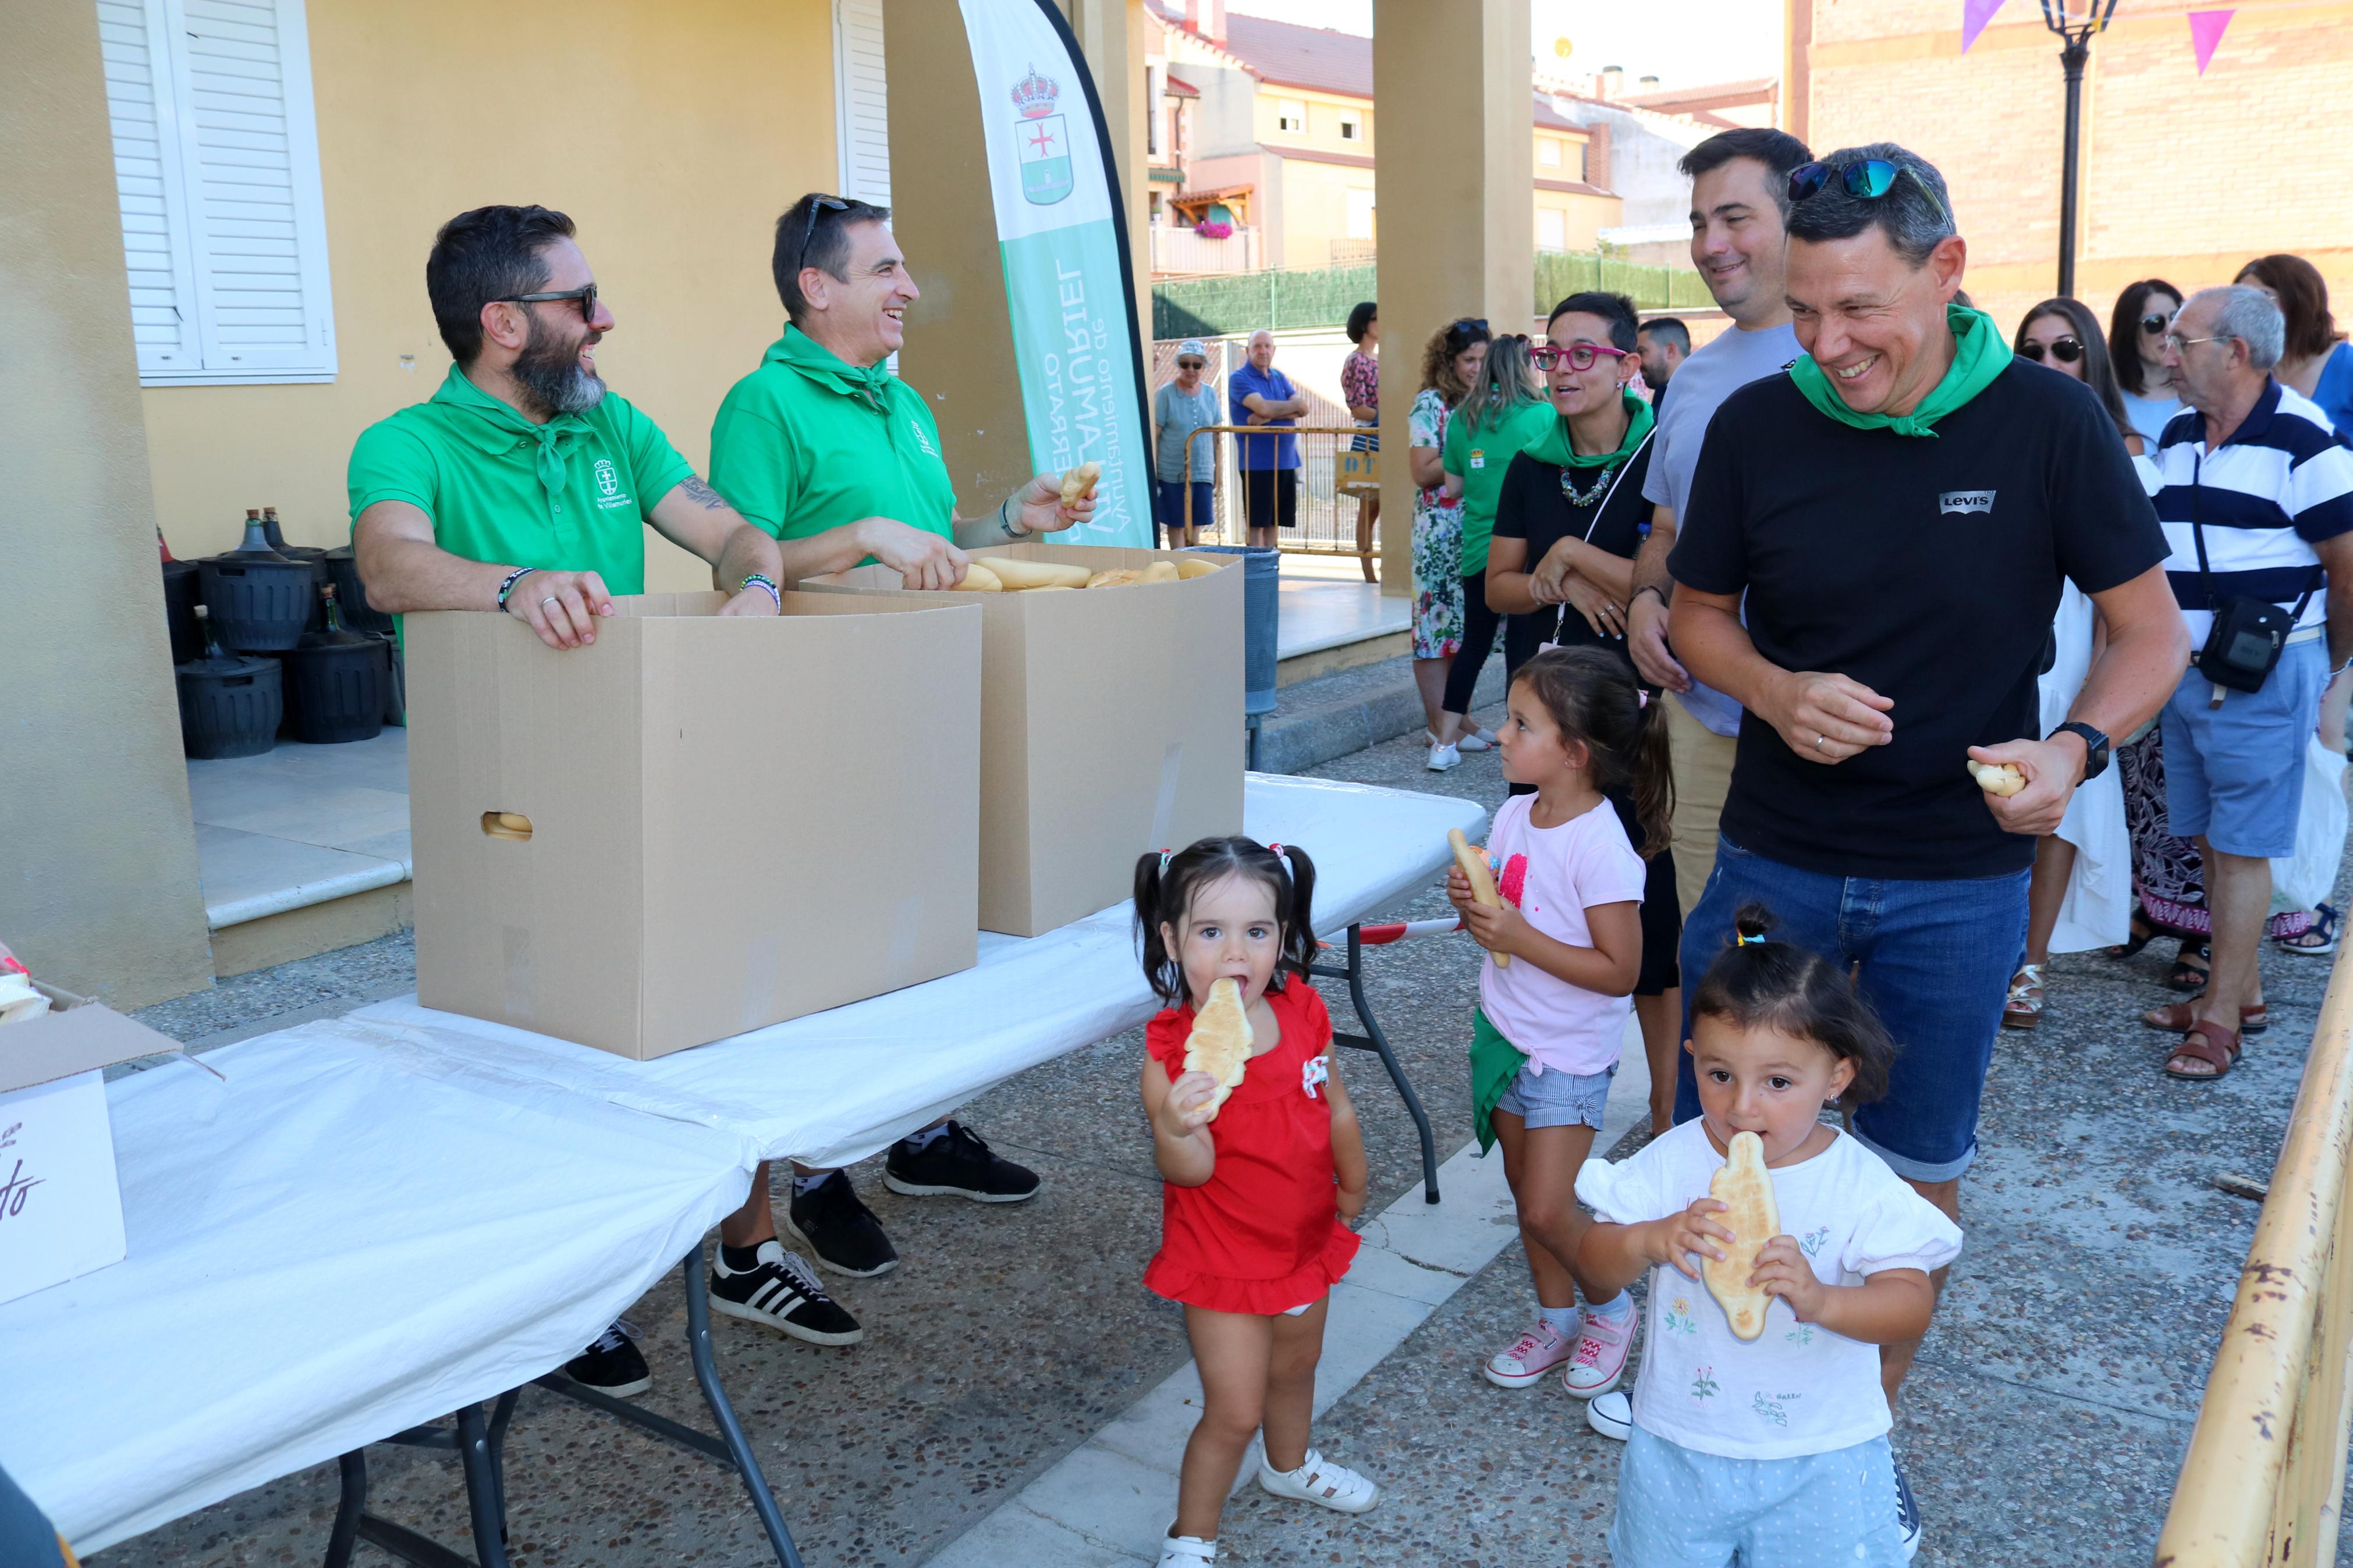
<point x="1553" y="875"/>
<point x="1798" y="1388"/>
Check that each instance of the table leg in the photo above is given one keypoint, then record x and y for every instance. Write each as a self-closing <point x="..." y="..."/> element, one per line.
<point x="1371" y="1039"/>
<point x="483" y="1499"/>
<point x="739" y="1447"/>
<point x="354" y="1503"/>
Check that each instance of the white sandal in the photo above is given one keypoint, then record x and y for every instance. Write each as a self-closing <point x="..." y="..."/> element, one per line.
<point x="1471" y="739"/>
<point x="1320" y="1482"/>
<point x="1184" y="1551"/>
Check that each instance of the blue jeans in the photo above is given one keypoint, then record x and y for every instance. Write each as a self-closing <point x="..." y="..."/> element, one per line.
<point x="1168" y="497"/>
<point x="1936" y="958"/>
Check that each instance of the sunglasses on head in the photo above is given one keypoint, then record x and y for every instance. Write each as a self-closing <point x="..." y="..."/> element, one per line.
<point x="1578" y="356"/>
<point x="819" y="207"/>
<point x="1868" y="178"/>
<point x="2066" y="351"/>
<point x="587" y="297"/>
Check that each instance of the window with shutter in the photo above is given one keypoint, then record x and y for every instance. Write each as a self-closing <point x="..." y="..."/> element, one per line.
<point x="861" y="101"/>
<point x="216" y="173"/>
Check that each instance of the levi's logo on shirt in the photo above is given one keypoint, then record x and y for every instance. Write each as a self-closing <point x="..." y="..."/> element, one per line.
<point x="1961" y="502"/>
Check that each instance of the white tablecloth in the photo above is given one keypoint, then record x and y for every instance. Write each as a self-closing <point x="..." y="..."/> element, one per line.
<point x="325" y="1250"/>
<point x="837" y="1086"/>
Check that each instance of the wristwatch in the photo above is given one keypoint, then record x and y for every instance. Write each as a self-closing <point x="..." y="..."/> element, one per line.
<point x="2095" y="747"/>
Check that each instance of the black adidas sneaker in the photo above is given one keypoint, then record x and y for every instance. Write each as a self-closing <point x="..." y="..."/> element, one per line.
<point x="781" y="1292"/>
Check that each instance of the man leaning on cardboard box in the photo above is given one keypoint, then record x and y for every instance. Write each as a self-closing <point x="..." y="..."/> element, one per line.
<point x="523" y="486"/>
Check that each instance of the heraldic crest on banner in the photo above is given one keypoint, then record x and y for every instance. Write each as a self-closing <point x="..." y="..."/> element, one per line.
<point x="1041" y="139"/>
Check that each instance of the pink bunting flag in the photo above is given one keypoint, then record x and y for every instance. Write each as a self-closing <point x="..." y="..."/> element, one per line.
<point x="1975" y="15"/>
<point x="2205" y="32"/>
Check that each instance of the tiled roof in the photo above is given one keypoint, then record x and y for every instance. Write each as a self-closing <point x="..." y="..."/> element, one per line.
<point x="1291" y="56"/>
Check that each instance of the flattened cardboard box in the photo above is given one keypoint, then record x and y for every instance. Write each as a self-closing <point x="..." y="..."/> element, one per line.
<point x="1111" y="724"/>
<point x="61" y="1204"/>
<point x="698" y="824"/>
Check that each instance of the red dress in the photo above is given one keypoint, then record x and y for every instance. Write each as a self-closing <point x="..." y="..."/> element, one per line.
<point x="1262" y="1235"/>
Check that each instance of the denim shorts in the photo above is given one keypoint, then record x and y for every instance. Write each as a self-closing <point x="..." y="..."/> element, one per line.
<point x="1557" y="1099"/>
<point x="2235" y="773"/>
<point x="1936" y="957"/>
<point x="1678" y="1508"/>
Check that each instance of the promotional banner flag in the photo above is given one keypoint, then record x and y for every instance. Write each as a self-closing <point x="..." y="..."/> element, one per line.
<point x="2205" y="32"/>
<point x="1975" y="15"/>
<point x="1064" y="236"/>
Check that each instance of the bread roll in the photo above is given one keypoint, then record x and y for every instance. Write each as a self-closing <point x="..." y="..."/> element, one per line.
<point x="1017" y="576"/>
<point x="1117" y="577"/>
<point x="1080" y="482"/>
<point x="1745" y="1189"/>
<point x="1997" y="778"/>
<point x="1194" y="567"/>
<point x="1161" y="572"/>
<point x="1481" y="877"/>
<point x="979" y="579"/>
<point x="1220" y="1042"/>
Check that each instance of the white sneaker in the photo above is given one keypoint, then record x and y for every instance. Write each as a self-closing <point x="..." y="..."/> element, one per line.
<point x="1320" y="1482"/>
<point x="1184" y="1551"/>
<point x="1531" y="1355"/>
<point x="1444" y="757"/>
<point x="1611" y="1414"/>
<point x="1600" y="1358"/>
<point x="1476" y="740"/>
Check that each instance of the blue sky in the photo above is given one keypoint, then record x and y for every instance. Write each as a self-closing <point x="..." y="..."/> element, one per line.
<point x="1682" y="42"/>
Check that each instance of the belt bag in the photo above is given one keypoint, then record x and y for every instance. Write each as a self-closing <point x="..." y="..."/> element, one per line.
<point x="2244" y="647"/>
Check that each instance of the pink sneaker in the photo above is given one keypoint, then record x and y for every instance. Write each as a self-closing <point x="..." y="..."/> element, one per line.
<point x="1600" y="1356"/>
<point x="1531" y="1355"/>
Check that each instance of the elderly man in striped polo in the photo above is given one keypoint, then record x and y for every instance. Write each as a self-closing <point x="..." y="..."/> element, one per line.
<point x="2257" y="503"/>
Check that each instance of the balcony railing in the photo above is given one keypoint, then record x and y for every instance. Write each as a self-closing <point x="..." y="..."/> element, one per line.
<point x="1180" y="252"/>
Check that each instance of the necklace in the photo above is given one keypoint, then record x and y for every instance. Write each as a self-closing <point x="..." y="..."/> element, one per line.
<point x="1586" y="497"/>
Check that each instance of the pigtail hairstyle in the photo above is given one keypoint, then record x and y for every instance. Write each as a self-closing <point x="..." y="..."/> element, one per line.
<point x="1593" y="697"/>
<point x="1756" y="984"/>
<point x="1165" y="885"/>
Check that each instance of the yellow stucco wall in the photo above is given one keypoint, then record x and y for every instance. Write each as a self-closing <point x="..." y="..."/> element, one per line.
<point x="672" y="134"/>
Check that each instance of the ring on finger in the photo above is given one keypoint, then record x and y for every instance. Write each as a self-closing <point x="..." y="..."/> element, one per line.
<point x="550" y="599"/>
<point x="1818" y="742"/>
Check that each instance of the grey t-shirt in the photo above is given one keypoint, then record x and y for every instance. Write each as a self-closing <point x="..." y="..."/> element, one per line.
<point x="1714" y="371"/>
<point x="1178" y="415"/>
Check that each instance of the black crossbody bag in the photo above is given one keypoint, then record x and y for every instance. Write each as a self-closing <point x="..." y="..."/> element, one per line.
<point x="2248" y="634"/>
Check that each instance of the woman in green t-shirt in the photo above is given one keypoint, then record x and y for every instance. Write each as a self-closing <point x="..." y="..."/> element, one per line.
<point x="1506" y="412"/>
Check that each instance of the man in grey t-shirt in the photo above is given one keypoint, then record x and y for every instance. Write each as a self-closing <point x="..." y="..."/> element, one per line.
<point x="1181" y="407"/>
<point x="1739" y="198"/>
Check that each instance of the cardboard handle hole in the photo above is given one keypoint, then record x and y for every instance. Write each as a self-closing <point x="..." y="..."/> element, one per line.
<point x="507" y="824"/>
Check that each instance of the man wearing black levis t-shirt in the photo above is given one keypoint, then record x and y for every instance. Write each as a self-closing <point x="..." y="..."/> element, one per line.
<point x="1899" y="511"/>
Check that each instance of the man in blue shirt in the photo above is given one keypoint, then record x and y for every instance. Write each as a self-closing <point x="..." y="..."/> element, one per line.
<point x="1258" y="394"/>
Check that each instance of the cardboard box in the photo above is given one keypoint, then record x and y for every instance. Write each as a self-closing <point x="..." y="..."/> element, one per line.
<point x="60" y="1208"/>
<point x="709" y="825"/>
<point x="1111" y="724"/>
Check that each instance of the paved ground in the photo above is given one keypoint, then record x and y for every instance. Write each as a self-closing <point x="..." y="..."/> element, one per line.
<point x="2044" y="1425"/>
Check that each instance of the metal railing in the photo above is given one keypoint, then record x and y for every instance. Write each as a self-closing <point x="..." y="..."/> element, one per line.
<point x="1182" y="251"/>
<point x="2263" y="1479"/>
<point x="1339" y="491"/>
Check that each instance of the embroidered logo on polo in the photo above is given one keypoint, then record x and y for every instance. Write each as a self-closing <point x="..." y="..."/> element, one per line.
<point x="608" y="485"/>
<point x="922" y="439"/>
<point x="1959" y="503"/>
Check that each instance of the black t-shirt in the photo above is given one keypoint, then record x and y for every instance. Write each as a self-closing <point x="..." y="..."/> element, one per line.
<point x="1927" y="568"/>
<point x="1533" y="506"/>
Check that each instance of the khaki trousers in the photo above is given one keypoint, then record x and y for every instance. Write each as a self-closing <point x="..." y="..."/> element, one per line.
<point x="1702" y="771"/>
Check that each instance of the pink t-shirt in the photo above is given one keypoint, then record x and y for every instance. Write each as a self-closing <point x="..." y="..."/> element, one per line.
<point x="1553" y="875"/>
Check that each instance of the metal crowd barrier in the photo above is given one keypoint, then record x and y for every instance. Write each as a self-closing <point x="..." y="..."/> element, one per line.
<point x="2263" y="1479"/>
<point x="1339" y="492"/>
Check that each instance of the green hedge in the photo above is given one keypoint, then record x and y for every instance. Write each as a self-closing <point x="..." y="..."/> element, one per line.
<point x="1322" y="297"/>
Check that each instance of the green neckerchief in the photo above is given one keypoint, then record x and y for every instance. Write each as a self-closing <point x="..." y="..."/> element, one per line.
<point x="460" y="393"/>
<point x="1979" y="355"/>
<point x="822" y="366"/>
<point x="1553" y="447"/>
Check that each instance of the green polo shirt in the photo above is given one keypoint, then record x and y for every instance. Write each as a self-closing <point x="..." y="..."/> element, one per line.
<point x="1482" y="460"/>
<point x="571" y="495"/>
<point x="809" y="442"/>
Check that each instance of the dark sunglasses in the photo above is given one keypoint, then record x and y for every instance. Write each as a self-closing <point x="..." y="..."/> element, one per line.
<point x="1868" y="178"/>
<point x="1192" y="364"/>
<point x="2066" y="351"/>
<point x="2154" y="325"/>
<point x="1466" y="326"/>
<point x="819" y="207"/>
<point x="586" y="296"/>
<point x="1581" y="356"/>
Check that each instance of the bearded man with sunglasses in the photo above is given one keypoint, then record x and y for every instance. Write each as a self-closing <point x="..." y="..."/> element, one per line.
<point x="1896" y="515"/>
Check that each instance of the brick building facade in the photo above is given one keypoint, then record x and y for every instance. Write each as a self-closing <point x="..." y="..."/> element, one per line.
<point x="2185" y="178"/>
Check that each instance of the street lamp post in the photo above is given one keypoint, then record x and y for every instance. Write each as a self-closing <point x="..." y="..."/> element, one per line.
<point x="2074" y="21"/>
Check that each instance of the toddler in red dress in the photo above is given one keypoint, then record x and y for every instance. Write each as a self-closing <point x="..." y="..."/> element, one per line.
<point x="1257" y="1191"/>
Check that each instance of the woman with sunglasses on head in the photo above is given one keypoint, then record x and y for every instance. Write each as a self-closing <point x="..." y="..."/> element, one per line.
<point x="1451" y="362"/>
<point x="1568" y="524"/>
<point x="2078" y="898"/>
<point x="2137" y="352"/>
<point x="1505" y="412"/>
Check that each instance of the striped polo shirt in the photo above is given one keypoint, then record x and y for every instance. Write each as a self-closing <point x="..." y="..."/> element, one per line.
<point x="2283" y="481"/>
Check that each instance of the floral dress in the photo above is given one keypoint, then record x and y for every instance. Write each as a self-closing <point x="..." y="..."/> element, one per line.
<point x="1437" y="544"/>
<point x="1360" y="387"/>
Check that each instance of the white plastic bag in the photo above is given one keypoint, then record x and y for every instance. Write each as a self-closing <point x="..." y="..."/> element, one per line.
<point x="2303" y="879"/>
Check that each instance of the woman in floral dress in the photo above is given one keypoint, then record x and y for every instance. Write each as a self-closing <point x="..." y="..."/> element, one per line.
<point x="1449" y="365"/>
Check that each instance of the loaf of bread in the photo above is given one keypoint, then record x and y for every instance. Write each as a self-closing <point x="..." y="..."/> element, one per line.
<point x="1017" y="575"/>
<point x="1745" y="1189"/>
<point x="1481" y="877"/>
<point x="1220" y="1042"/>
<point x="979" y="579"/>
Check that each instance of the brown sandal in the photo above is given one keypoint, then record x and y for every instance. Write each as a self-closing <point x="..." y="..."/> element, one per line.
<point x="2213" y="1044"/>
<point x="2176" y="1017"/>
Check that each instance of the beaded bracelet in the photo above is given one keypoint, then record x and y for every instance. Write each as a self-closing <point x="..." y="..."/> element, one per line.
<point x="764" y="581"/>
<point x="514" y="577"/>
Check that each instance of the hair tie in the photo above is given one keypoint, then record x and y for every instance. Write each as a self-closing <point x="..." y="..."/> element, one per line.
<point x="1641" y="698"/>
<point x="1281" y="860"/>
<point x="1164" y="857"/>
<point x="1745" y="940"/>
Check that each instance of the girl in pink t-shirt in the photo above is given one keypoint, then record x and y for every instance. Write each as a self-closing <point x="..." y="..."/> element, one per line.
<point x="1545" y="1036"/>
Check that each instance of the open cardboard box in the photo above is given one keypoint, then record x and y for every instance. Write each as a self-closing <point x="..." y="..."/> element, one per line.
<point x="699" y="825"/>
<point x="1111" y="724"/>
<point x="60" y="1208"/>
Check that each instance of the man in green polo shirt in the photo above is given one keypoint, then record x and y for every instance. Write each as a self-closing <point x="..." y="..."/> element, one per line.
<point x="524" y="487"/>
<point x="825" y="447"/>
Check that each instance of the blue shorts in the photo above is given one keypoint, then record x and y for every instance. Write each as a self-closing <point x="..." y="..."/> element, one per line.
<point x="1937" y="959"/>
<point x="2235" y="773"/>
<point x="1678" y="1508"/>
<point x="1557" y="1099"/>
<point x="1168" y="500"/>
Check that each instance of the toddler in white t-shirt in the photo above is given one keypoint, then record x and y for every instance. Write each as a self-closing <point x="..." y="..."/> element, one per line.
<point x="1773" y="1449"/>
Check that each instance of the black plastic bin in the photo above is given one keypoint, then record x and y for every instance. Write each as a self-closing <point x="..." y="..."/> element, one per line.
<point x="229" y="707"/>
<point x="260" y="601"/>
<point x="350" y="598"/>
<point x="336" y="683"/>
<point x="180" y="600"/>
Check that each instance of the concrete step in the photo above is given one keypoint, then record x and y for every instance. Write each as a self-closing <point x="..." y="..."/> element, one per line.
<point x="1332" y="715"/>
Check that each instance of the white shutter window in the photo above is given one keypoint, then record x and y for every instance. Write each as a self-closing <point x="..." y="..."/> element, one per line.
<point x="861" y="101"/>
<point x="217" y="171"/>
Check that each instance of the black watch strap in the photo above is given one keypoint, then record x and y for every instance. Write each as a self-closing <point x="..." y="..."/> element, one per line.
<point x="2095" y="747"/>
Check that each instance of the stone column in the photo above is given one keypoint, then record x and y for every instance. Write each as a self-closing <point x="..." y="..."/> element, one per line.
<point x="1456" y="132"/>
